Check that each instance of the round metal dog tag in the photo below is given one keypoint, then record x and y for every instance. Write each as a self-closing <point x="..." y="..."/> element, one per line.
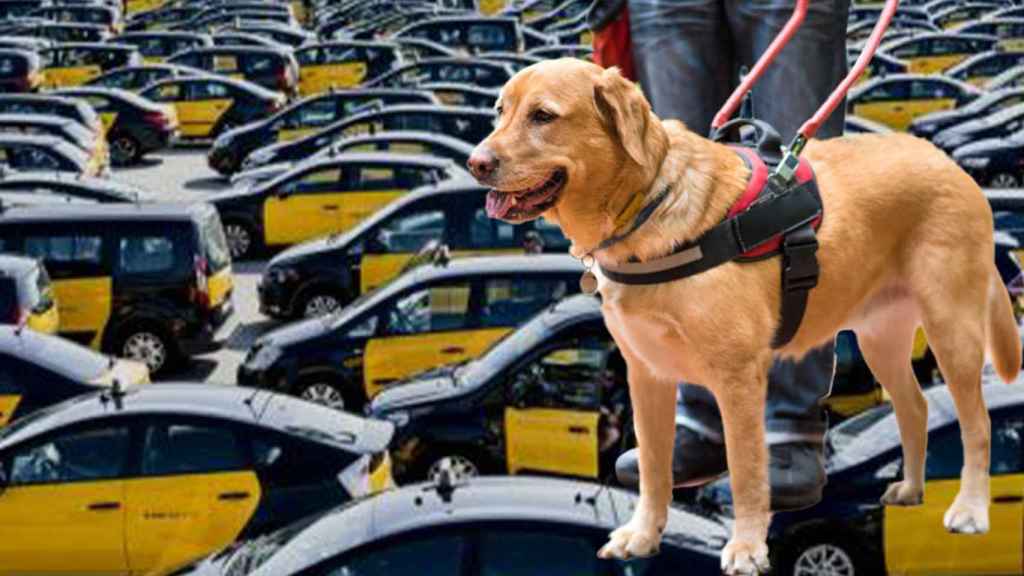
<point x="588" y="282"/>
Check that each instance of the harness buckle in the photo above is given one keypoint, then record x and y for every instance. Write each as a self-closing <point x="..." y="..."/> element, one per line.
<point x="799" y="264"/>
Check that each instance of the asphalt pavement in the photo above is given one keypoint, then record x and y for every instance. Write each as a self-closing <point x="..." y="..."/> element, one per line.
<point x="181" y="175"/>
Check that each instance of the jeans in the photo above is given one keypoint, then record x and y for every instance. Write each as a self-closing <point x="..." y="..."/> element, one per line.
<point x="688" y="56"/>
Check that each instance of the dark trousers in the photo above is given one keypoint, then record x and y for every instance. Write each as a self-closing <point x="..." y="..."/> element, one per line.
<point x="688" y="56"/>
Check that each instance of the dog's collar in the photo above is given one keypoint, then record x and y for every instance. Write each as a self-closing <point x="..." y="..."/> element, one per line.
<point x="641" y="213"/>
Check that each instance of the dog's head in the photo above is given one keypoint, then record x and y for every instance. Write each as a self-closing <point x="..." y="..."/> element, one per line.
<point x="572" y="142"/>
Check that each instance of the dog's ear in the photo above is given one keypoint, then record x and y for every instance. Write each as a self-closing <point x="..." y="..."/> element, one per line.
<point x="625" y="111"/>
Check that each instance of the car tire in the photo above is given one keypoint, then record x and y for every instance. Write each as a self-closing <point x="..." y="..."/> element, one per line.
<point x="1003" y="180"/>
<point x="124" y="149"/>
<point x="150" y="344"/>
<point x="829" y="552"/>
<point x="318" y="302"/>
<point x="330" y="392"/>
<point x="227" y="164"/>
<point x="241" y="238"/>
<point x="462" y="463"/>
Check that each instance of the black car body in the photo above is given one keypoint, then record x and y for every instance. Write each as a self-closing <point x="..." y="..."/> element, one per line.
<point x="989" y="103"/>
<point x="135" y="126"/>
<point x="427" y="317"/>
<point x="74" y="186"/>
<point x="344" y="266"/>
<point x="473" y="35"/>
<point x="135" y="78"/>
<point x="456" y="94"/>
<point x="994" y="162"/>
<point x="46" y="154"/>
<point x="980" y="68"/>
<point x="156" y="47"/>
<point x="63" y="106"/>
<point x="163" y="17"/>
<point x="20" y="71"/>
<point x="468" y="124"/>
<point x="267" y="67"/>
<point x="300" y="118"/>
<point x="507" y="526"/>
<point x="996" y="125"/>
<point x="212" y="105"/>
<point x="464" y="70"/>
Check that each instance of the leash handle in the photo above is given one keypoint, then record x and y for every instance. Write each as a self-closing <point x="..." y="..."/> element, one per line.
<point x="780" y="41"/>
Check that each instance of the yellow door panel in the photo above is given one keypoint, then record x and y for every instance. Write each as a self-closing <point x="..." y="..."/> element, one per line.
<point x="8" y="406"/>
<point x="359" y="205"/>
<point x="317" y="78"/>
<point x="84" y="306"/>
<point x="551" y="440"/>
<point x="490" y="7"/>
<point x="1012" y="44"/>
<point x="394" y="357"/>
<point x="172" y="520"/>
<point x="143" y="5"/>
<point x="219" y="285"/>
<point x="107" y="119"/>
<point x="47" y="322"/>
<point x="376" y="269"/>
<point x="70" y="528"/>
<point x="934" y="64"/>
<point x="198" y="117"/>
<point x="898" y="114"/>
<point x="153" y="59"/>
<point x="917" y="543"/>
<point x="286" y="134"/>
<point x="850" y="405"/>
<point x="71" y="76"/>
<point x="297" y="217"/>
<point x="587" y="38"/>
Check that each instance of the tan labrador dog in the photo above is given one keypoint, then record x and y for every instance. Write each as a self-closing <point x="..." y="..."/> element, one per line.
<point x="906" y="240"/>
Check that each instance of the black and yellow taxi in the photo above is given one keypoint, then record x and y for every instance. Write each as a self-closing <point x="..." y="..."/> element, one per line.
<point x="521" y="526"/>
<point x="324" y="196"/>
<point x="26" y="298"/>
<point x="83" y="14"/>
<point x="549" y="398"/>
<point x="38" y="370"/>
<point x="1009" y="31"/>
<point x="207" y="106"/>
<point x="63" y="32"/>
<point x="967" y="12"/>
<point x="929" y="125"/>
<point x="999" y="124"/>
<point x="156" y="47"/>
<point x="420" y="48"/>
<point x="149" y="282"/>
<point x="324" y="275"/>
<point x="20" y="71"/>
<point x="432" y="315"/>
<point x="471" y="34"/>
<point x="981" y="68"/>
<point x="343" y="64"/>
<point x="47" y="154"/>
<point x="849" y="532"/>
<point x="145" y="480"/>
<point x="270" y="68"/>
<point x="468" y="124"/>
<point x="72" y="185"/>
<point x="467" y="70"/>
<point x="896" y="101"/>
<point x="938" y="51"/>
<point x="135" y="78"/>
<point x="302" y="118"/>
<point x="134" y="126"/>
<point x="75" y="63"/>
<point x="90" y="141"/>
<point x="71" y="108"/>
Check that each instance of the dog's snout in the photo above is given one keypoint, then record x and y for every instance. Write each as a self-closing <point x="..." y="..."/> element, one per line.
<point x="482" y="163"/>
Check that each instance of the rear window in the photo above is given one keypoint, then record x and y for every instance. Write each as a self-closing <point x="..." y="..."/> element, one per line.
<point x="215" y="245"/>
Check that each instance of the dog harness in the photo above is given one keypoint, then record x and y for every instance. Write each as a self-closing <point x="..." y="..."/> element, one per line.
<point x="766" y="221"/>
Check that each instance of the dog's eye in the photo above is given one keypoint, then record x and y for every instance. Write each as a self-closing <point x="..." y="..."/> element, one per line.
<point x="542" y="116"/>
<point x="499" y="110"/>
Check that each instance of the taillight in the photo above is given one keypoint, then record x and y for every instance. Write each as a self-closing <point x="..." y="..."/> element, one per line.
<point x="158" y="119"/>
<point x="282" y="79"/>
<point x="202" y="287"/>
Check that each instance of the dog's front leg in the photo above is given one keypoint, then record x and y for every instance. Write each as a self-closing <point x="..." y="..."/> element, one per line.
<point x="741" y="399"/>
<point x="654" y="404"/>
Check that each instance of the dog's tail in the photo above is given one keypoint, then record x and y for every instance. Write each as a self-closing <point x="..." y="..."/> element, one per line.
<point x="1003" y="337"/>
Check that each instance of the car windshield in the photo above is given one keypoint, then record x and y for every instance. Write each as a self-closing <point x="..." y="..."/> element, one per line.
<point x="66" y="358"/>
<point x="841" y="436"/>
<point x="504" y="352"/>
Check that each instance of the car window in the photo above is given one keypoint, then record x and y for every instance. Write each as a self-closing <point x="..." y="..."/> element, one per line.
<point x="66" y="252"/>
<point x="317" y="113"/>
<point x="910" y="49"/>
<point x="376" y="178"/>
<point x="146" y="254"/>
<point x="486" y="232"/>
<point x="208" y="91"/>
<point x="511" y="301"/>
<point x="307" y="57"/>
<point x="927" y="90"/>
<point x="165" y="93"/>
<point x="283" y="462"/>
<point x="190" y="448"/>
<point x="433" y="555"/>
<point x="1008" y="445"/>
<point x="529" y="552"/>
<point x="946" y="46"/>
<point x="887" y="92"/>
<point x="433" y="309"/>
<point x="409" y="232"/>
<point x="945" y="451"/>
<point x="91" y="454"/>
<point x="568" y="376"/>
<point x="319" y="180"/>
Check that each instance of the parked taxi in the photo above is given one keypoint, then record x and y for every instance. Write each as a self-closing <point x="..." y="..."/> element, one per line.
<point x="981" y="68"/>
<point x="135" y="78"/>
<point x="936" y="52"/>
<point x="72" y="185"/>
<point x="897" y="100"/>
<point x="343" y="64"/>
<point x="92" y="142"/>
<point x="1009" y="31"/>
<point x="75" y="63"/>
<point x="20" y="71"/>
<point x="207" y="106"/>
<point x="270" y="68"/>
<point x="465" y="70"/>
<point x="63" y="106"/>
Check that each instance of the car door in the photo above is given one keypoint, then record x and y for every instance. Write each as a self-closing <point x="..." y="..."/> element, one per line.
<point x="927" y="96"/>
<point x="62" y="512"/>
<point x="887" y="104"/>
<point x="392" y="245"/>
<point x="173" y="93"/>
<point x="377" y="185"/>
<point x="76" y="257"/>
<point x="205" y="104"/>
<point x="551" y="421"/>
<point x="915" y="540"/>
<point x="309" y="205"/>
<point x="194" y="493"/>
<point x="336" y="66"/>
<point x="422" y="328"/>
<point x="307" y="118"/>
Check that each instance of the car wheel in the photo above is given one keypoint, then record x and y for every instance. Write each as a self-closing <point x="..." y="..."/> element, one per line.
<point x="319" y="303"/>
<point x="822" y="556"/>
<point x="124" y="150"/>
<point x="1003" y="180"/>
<point x="458" y="465"/>
<point x="149" y="345"/>
<point x="329" y="393"/>
<point x="227" y="164"/>
<point x="241" y="239"/>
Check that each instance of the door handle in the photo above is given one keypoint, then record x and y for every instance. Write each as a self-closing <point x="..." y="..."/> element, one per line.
<point x="453" y="350"/>
<point x="232" y="496"/>
<point x="897" y="108"/>
<point x="104" y="506"/>
<point x="330" y="207"/>
<point x="1008" y="499"/>
<point x="578" y="430"/>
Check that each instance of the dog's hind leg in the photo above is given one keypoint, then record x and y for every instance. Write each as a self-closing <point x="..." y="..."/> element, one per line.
<point x="886" y="340"/>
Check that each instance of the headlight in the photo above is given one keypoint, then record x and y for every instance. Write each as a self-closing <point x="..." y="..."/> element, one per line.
<point x="264" y="357"/>
<point x="222" y="141"/>
<point x="976" y="162"/>
<point x="399" y="418"/>
<point x="281" y="275"/>
<point x="260" y="157"/>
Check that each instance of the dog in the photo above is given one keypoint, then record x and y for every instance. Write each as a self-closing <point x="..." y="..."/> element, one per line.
<point x="906" y="240"/>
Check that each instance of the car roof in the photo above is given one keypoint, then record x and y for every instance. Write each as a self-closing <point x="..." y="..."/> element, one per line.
<point x="112" y="46"/>
<point x="33" y="139"/>
<point x="907" y="77"/>
<point x="16" y="263"/>
<point x="279" y="412"/>
<point x="104" y="212"/>
<point x="29" y="118"/>
<point x="70" y="178"/>
<point x="388" y="135"/>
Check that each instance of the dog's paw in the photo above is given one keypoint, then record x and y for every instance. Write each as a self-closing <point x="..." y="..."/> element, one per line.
<point x="903" y="494"/>
<point x="629" y="542"/>
<point x="964" y="518"/>
<point x="742" y="558"/>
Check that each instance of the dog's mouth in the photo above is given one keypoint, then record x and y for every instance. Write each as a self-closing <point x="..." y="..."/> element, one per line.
<point x="522" y="205"/>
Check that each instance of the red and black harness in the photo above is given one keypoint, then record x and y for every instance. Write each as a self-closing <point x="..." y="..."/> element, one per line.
<point x="768" y="220"/>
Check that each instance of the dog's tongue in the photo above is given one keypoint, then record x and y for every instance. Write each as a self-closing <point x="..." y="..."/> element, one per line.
<point x="499" y="203"/>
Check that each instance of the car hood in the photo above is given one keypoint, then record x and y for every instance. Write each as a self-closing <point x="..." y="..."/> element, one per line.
<point x="985" y="146"/>
<point x="251" y="177"/>
<point x="300" y="332"/>
<point x="233" y="193"/>
<point x="300" y="251"/>
<point x="427" y="389"/>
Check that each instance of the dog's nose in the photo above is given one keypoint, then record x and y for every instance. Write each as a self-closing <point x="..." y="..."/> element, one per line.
<point x="482" y="163"/>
